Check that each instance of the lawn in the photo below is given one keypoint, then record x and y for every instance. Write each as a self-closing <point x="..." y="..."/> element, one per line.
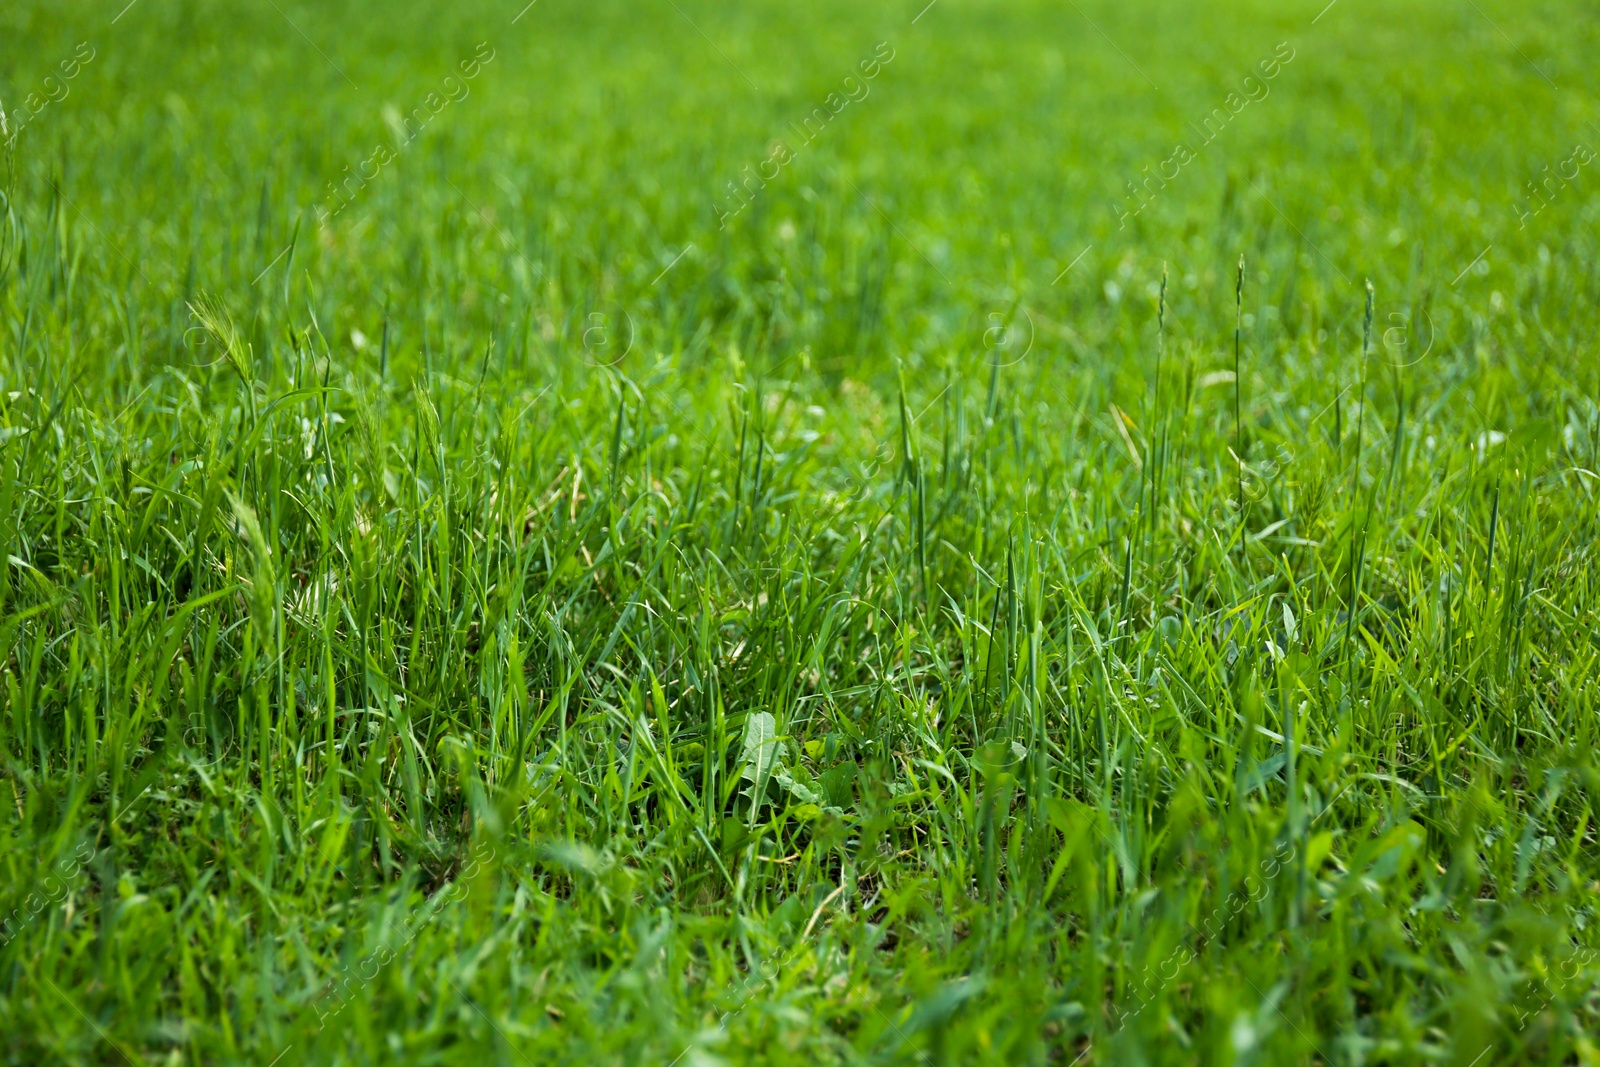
<point x="896" y="533"/>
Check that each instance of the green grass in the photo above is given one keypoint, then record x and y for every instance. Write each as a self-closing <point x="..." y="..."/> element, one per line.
<point x="938" y="615"/>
